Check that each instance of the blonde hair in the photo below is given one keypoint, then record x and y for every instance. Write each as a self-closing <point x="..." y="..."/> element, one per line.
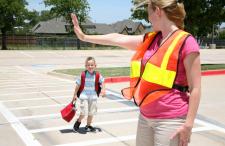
<point x="174" y="10"/>
<point x="88" y="59"/>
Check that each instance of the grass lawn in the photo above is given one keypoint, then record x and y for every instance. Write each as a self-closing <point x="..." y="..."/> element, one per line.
<point x="125" y="71"/>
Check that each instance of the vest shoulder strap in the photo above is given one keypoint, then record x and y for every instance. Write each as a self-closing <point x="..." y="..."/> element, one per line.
<point x="145" y="36"/>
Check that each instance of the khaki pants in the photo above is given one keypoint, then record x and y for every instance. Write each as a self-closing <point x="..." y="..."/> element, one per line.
<point x="157" y="132"/>
<point x="87" y="107"/>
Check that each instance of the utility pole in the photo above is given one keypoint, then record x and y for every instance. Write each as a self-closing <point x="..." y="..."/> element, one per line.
<point x="213" y="34"/>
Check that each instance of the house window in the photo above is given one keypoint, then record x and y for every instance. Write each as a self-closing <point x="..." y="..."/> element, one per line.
<point x="129" y="29"/>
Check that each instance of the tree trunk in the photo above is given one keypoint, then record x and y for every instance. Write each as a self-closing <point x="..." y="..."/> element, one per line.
<point x="78" y="44"/>
<point x="4" y="47"/>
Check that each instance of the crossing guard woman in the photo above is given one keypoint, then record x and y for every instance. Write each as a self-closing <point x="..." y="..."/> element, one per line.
<point x="165" y="78"/>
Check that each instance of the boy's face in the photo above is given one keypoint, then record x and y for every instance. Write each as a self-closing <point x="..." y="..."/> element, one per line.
<point x="90" y="66"/>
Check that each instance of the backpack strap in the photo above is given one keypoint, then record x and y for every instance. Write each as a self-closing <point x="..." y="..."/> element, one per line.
<point x="97" y="84"/>
<point x="83" y="74"/>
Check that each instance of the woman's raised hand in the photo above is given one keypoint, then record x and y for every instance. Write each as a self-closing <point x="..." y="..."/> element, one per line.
<point x="76" y="27"/>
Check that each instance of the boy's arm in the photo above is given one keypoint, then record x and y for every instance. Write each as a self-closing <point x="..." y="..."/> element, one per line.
<point x="75" y="92"/>
<point x="103" y="90"/>
<point x="102" y="82"/>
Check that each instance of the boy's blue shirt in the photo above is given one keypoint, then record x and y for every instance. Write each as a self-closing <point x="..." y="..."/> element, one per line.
<point x="89" y="86"/>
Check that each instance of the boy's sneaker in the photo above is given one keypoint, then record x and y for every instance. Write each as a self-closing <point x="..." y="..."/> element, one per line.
<point x="76" y="126"/>
<point x="90" y="128"/>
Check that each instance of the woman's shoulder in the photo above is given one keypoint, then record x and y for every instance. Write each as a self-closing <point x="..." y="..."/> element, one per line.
<point x="150" y="34"/>
<point x="190" y="45"/>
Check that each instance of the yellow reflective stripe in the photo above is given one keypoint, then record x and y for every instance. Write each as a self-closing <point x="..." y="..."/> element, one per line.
<point x="170" y="50"/>
<point x="151" y="33"/>
<point x="157" y="75"/>
<point x="135" y="69"/>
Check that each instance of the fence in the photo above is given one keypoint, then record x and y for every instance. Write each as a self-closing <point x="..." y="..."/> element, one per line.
<point x="219" y="43"/>
<point x="44" y="42"/>
<point x="67" y="42"/>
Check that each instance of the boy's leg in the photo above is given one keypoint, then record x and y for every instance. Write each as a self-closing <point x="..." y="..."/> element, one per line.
<point x="92" y="110"/>
<point x="76" y="125"/>
<point x="88" y="127"/>
<point x="89" y="120"/>
<point x="81" y="117"/>
<point x="83" y="110"/>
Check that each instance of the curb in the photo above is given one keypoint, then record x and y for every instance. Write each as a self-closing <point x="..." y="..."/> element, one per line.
<point x="213" y="72"/>
<point x="127" y="79"/>
<point x="117" y="79"/>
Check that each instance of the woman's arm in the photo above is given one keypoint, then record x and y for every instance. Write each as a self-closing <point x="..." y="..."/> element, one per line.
<point x="113" y="39"/>
<point x="193" y="72"/>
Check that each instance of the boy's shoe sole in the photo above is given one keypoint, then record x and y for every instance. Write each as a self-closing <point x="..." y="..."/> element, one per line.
<point x="90" y="129"/>
<point x="81" y="130"/>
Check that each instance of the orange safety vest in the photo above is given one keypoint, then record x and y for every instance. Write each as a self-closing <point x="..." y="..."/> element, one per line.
<point x="156" y="78"/>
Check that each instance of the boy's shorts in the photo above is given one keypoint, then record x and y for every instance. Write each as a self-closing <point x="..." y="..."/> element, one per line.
<point x="87" y="107"/>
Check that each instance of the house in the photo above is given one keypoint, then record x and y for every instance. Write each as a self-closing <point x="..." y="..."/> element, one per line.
<point x="55" y="26"/>
<point x="128" y="27"/>
<point x="58" y="26"/>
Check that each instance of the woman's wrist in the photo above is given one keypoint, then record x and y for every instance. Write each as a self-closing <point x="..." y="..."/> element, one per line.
<point x="84" y="37"/>
<point x="188" y="125"/>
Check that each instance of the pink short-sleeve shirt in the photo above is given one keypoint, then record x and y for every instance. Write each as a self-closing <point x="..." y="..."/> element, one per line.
<point x="174" y="104"/>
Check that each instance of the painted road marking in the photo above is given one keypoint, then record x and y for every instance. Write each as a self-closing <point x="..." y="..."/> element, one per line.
<point x="26" y="70"/>
<point x="96" y="124"/>
<point x="26" y="54"/>
<point x="101" y="141"/>
<point x="28" y="84"/>
<point x="21" y="130"/>
<point x="210" y="125"/>
<point x="33" y="99"/>
<point x="36" y="87"/>
<point x="23" y="82"/>
<point x="61" y="105"/>
<point x="57" y="115"/>
<point x="118" y="139"/>
<point x="27" y="93"/>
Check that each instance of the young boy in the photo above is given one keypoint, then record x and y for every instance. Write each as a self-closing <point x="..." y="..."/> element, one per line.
<point x="87" y="89"/>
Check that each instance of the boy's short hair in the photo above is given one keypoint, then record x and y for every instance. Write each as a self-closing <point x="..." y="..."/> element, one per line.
<point x="89" y="58"/>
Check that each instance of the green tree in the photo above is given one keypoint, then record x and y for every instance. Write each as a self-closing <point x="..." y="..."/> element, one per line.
<point x="46" y="15"/>
<point x="141" y="13"/>
<point x="12" y="14"/>
<point x="66" y="7"/>
<point x="222" y="35"/>
<point x="201" y="15"/>
<point x="33" y="18"/>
